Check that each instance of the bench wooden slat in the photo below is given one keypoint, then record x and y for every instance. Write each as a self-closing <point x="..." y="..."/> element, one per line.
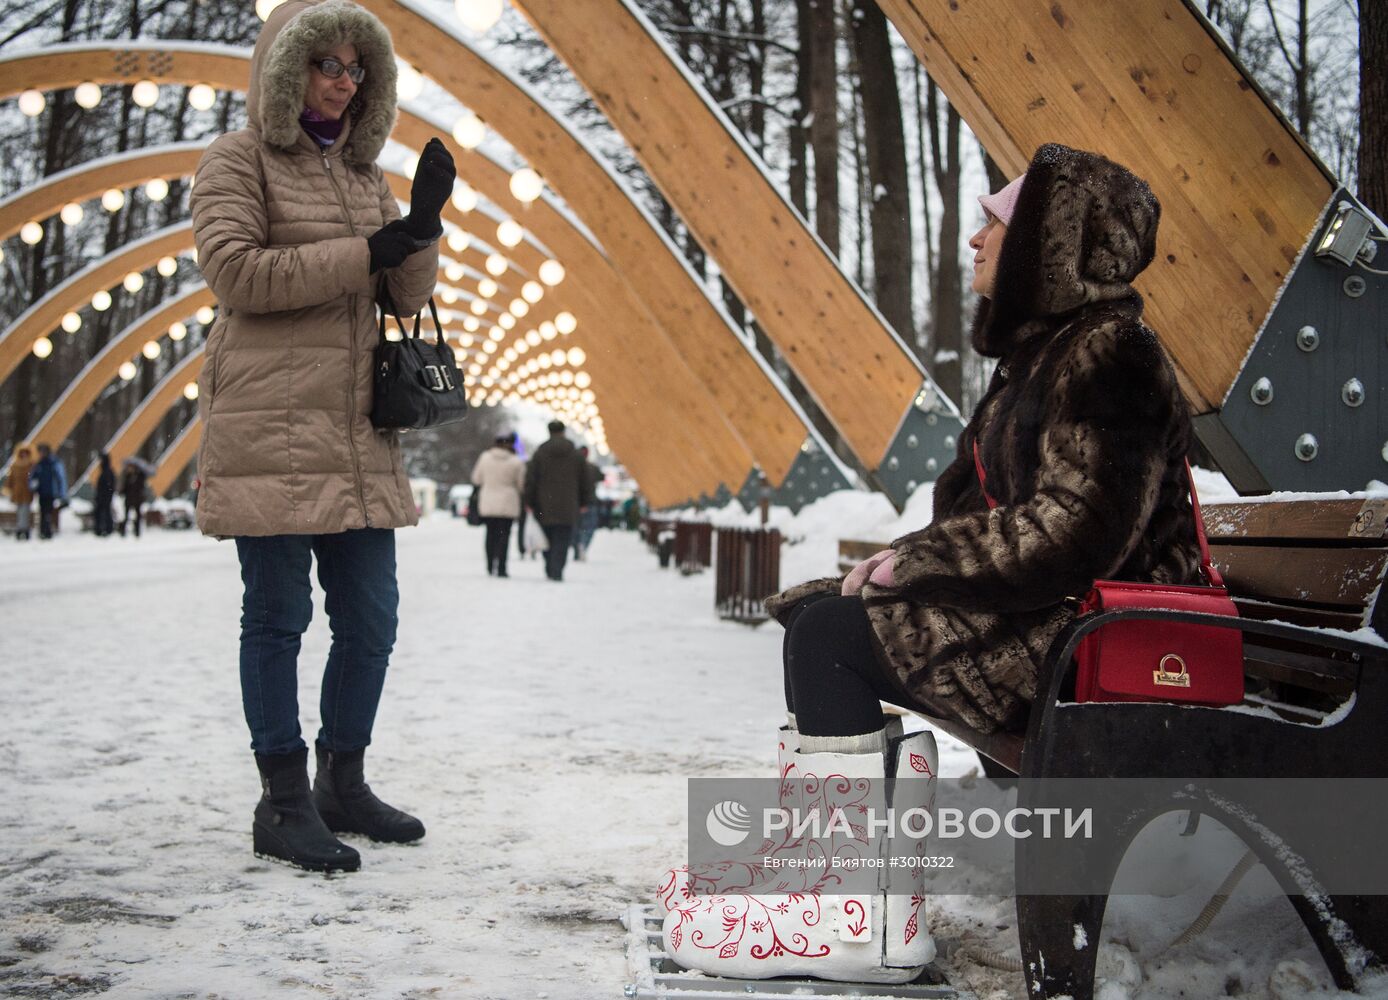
<point x="1338" y="577"/>
<point x="1359" y="521"/>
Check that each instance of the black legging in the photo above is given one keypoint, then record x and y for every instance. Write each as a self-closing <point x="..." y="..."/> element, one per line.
<point x="498" y="538"/>
<point x="833" y="681"/>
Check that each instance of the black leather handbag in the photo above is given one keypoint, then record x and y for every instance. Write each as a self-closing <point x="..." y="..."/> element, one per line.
<point x="416" y="382"/>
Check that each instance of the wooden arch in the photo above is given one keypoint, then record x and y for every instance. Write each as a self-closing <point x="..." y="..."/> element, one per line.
<point x="1148" y="85"/>
<point x="57" y="424"/>
<point x="705" y="343"/>
<point x="152" y="409"/>
<point x="859" y="371"/>
<point x="181" y="450"/>
<point x="39" y="319"/>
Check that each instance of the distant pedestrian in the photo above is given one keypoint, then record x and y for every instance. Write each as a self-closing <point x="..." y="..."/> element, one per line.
<point x="498" y="479"/>
<point x="103" y="522"/>
<point x="133" y="481"/>
<point x="48" y="480"/>
<point x="556" y="491"/>
<point x="20" y="493"/>
<point x="588" y="519"/>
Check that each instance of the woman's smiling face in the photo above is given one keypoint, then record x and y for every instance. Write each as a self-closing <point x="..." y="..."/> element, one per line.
<point x="987" y="244"/>
<point x="330" y="96"/>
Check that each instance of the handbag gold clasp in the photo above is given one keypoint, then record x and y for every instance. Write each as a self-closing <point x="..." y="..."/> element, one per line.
<point x="1166" y="678"/>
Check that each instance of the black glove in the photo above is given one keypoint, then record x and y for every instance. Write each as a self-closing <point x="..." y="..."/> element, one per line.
<point x="433" y="183"/>
<point x="390" y="245"/>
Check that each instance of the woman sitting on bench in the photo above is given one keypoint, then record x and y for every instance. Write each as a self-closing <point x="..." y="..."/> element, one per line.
<point x="1082" y="436"/>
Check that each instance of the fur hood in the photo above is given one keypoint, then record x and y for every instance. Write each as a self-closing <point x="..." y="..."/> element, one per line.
<point x="1083" y="229"/>
<point x="295" y="32"/>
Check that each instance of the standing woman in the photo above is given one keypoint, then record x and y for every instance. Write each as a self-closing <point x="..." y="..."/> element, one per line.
<point x="296" y="233"/>
<point x="499" y="478"/>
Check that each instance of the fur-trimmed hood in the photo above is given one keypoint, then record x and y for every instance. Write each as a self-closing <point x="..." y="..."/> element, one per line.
<point x="1083" y="229"/>
<point x="295" y="32"/>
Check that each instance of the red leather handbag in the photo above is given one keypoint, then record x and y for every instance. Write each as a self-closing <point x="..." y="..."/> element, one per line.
<point x="1149" y="660"/>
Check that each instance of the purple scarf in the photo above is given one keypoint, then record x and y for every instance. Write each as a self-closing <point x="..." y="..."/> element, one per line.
<point x="323" y="130"/>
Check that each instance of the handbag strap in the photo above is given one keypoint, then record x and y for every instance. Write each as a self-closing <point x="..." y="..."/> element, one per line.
<point x="1206" y="564"/>
<point x="387" y="304"/>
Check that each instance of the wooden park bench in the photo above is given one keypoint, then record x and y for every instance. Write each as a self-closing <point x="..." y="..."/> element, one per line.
<point x="1305" y="575"/>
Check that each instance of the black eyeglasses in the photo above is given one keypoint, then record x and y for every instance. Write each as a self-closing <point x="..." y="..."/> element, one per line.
<point x="333" y="68"/>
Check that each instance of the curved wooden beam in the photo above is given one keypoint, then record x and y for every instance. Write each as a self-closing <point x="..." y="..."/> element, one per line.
<point x="181" y="451"/>
<point x="145" y="418"/>
<point x="69" y="408"/>
<point x="859" y="371"/>
<point x="39" y="319"/>
<point x="734" y="376"/>
<point x="644" y="257"/>
<point x="1147" y="85"/>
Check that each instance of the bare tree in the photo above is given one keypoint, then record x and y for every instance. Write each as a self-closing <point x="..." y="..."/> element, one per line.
<point x="1373" y="106"/>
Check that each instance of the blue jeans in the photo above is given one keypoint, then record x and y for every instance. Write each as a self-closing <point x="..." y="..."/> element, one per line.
<point x="356" y="570"/>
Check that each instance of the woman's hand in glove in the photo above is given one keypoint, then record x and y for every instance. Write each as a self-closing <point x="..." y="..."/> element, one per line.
<point x="433" y="183"/>
<point x="390" y="245"/>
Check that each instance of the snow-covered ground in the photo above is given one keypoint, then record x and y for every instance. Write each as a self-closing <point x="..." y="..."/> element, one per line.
<point x="543" y="733"/>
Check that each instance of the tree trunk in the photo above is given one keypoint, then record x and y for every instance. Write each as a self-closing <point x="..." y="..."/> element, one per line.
<point x="756" y="69"/>
<point x="824" y="123"/>
<point x="861" y="189"/>
<point x="1373" y="107"/>
<point x="797" y="134"/>
<point x="945" y="360"/>
<point x="886" y="163"/>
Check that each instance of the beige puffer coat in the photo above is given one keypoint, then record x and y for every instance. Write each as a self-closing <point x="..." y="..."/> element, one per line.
<point x="499" y="476"/>
<point x="281" y="227"/>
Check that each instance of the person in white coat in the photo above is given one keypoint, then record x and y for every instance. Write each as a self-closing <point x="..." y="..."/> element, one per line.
<point x="499" y="478"/>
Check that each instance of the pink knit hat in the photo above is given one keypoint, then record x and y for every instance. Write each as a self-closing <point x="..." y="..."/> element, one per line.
<point x="1001" y="203"/>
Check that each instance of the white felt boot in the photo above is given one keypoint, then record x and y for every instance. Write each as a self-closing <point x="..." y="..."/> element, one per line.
<point x="813" y="927"/>
<point x="751" y="872"/>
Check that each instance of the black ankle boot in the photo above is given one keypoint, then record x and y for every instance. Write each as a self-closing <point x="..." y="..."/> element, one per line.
<point x="287" y="825"/>
<point x="347" y="804"/>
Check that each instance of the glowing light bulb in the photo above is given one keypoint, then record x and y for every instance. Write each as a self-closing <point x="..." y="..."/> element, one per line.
<point x="101" y="301"/>
<point x="113" y="200"/>
<point x="518" y="307"/>
<point x="566" y="323"/>
<point x="449" y="295"/>
<point x="532" y="291"/>
<point x="486" y="288"/>
<point x="454" y="271"/>
<point x="145" y="93"/>
<point x="496" y="334"/>
<point x="408" y="82"/>
<point x="151" y="349"/>
<point x="177" y="331"/>
<point x="583" y="380"/>
<point x="190" y="391"/>
<point x="31" y="104"/>
<point x="71" y="214"/>
<point x="496" y="264"/>
<point x="205" y="315"/>
<point x="157" y="189"/>
<point x="506" y="321"/>
<point x="201" y="97"/>
<point x="458" y="241"/>
<point x="510" y="233"/>
<point x="532" y="337"/>
<point x="127" y="371"/>
<point x="87" y="95"/>
<point x="588" y="396"/>
<point x="551" y="272"/>
<point x="31" y="233"/>
<point x="577" y="357"/>
<point x="167" y="266"/>
<point x="478" y="307"/>
<point x="548" y="330"/>
<point x="469" y="131"/>
<point x="71" y="322"/>
<point x="526" y="185"/>
<point x="134" y="281"/>
<point x="472" y="324"/>
<point x="464" y="198"/>
<point x="43" y="347"/>
<point x="478" y="15"/>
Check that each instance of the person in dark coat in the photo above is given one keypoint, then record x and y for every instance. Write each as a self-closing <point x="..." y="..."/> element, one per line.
<point x="48" y="480"/>
<point x="587" y="520"/>
<point x="132" y="490"/>
<point x="557" y="489"/>
<point x="1082" y="434"/>
<point x="103" y="522"/>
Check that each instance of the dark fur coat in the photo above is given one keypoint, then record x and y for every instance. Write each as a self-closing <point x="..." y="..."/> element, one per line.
<point x="1083" y="435"/>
